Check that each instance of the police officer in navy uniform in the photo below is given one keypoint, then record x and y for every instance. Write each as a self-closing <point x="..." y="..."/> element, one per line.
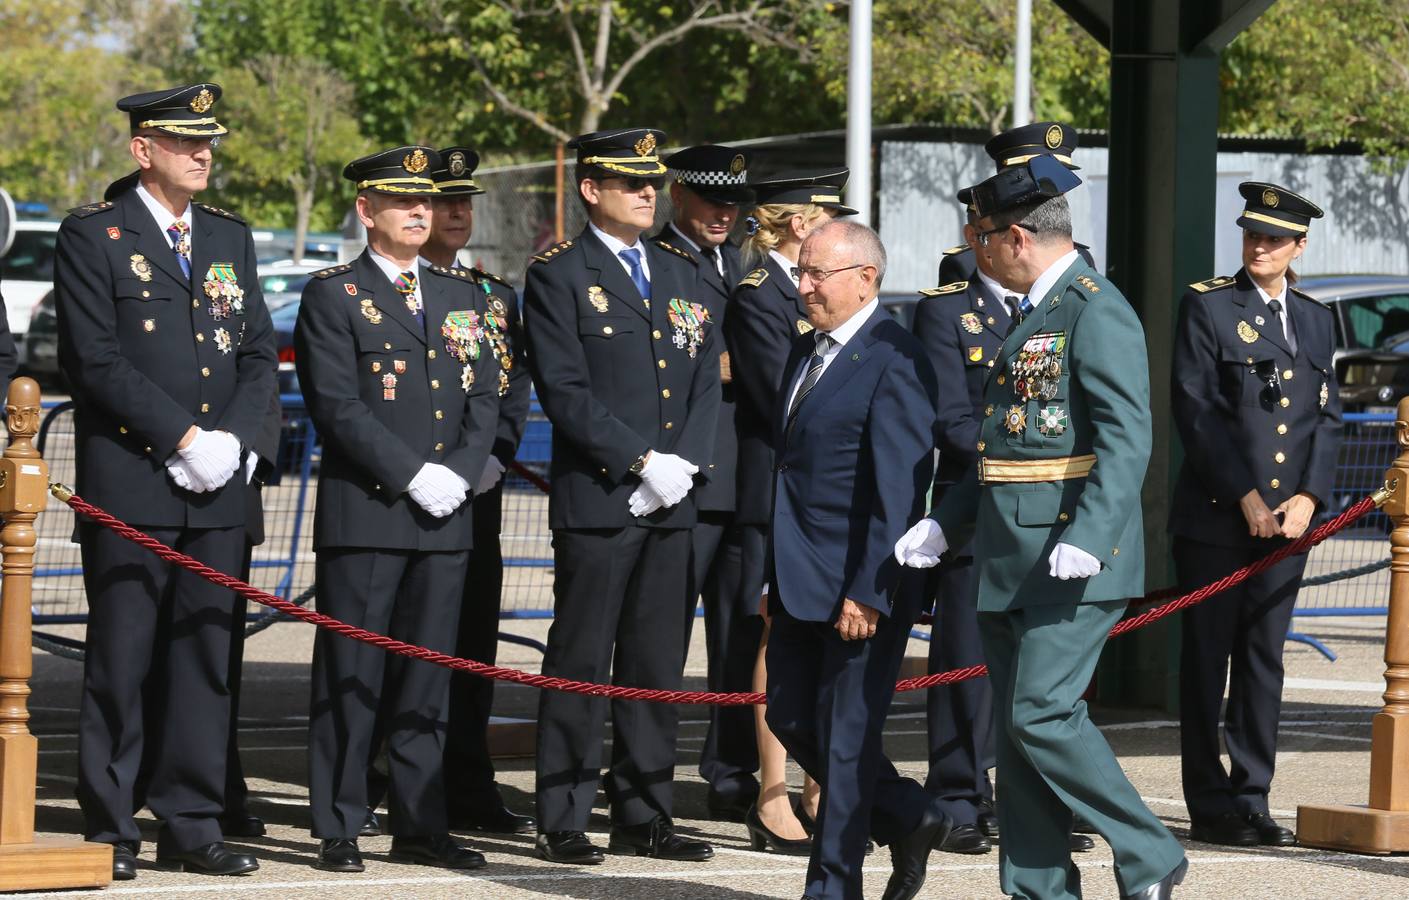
<point x="1256" y="404"/>
<point x="625" y="356"/>
<point x="168" y="346"/>
<point x="471" y="795"/>
<point x="401" y="385"/>
<point x="708" y="189"/>
<point x="1012" y="148"/>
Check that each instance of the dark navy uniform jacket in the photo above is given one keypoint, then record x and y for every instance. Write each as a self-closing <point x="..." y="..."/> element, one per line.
<point x="962" y="326"/>
<point x="512" y="381"/>
<point x="387" y="396"/>
<point x="149" y="354"/>
<point x="1251" y="414"/>
<point x="717" y="495"/>
<point x="765" y="316"/>
<point x="616" y="377"/>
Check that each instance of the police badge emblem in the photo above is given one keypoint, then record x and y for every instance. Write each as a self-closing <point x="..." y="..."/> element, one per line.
<point x="202" y="101"/>
<point x="971" y="323"/>
<point x="457" y="164"/>
<point x="1016" y="419"/>
<point x="1247" y="332"/>
<point x="645" y="145"/>
<point x="350" y="288"/>
<point x="370" y="312"/>
<point x="1270" y="199"/>
<point x="803" y="326"/>
<point x="597" y="297"/>
<point x="1054" y="137"/>
<point x="141" y="268"/>
<point x="415" y="162"/>
<point x="114" y="232"/>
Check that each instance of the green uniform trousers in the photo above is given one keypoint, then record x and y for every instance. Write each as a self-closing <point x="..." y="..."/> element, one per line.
<point x="1052" y="761"/>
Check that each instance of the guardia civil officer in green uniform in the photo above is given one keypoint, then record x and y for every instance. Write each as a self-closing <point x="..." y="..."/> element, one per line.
<point x="1054" y="507"/>
<point x="1255" y="399"/>
<point x="625" y="356"/>
<point x="165" y="338"/>
<point x="392" y="358"/>
<point x="471" y="794"/>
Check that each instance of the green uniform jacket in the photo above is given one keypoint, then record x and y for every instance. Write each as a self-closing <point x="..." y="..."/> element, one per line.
<point x="1100" y="406"/>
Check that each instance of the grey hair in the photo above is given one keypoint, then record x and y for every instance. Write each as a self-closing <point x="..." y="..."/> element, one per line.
<point x="863" y="242"/>
<point x="1047" y="220"/>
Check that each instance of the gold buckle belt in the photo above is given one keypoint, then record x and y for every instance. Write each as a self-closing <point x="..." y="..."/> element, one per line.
<point x="1006" y="471"/>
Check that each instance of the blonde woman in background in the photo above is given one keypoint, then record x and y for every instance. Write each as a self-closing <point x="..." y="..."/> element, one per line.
<point x="764" y="317"/>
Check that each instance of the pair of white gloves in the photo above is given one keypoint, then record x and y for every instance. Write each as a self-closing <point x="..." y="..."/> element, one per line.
<point x="438" y="489"/>
<point x="665" y="480"/>
<point x="208" y="462"/>
<point x="923" y="545"/>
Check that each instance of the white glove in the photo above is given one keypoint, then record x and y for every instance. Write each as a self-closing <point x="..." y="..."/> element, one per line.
<point x="493" y="471"/>
<point x="668" y="476"/>
<point x="181" y="474"/>
<point x="251" y="463"/>
<point x="1072" y="562"/>
<point x="921" y="546"/>
<point x="438" y="490"/>
<point x="212" y="458"/>
<point x="644" y="501"/>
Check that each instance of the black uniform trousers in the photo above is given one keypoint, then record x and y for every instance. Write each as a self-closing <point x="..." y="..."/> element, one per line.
<point x="412" y="596"/>
<point x="469" y="772"/>
<point x="616" y="615"/>
<point x="1247" y="627"/>
<point x="157" y="636"/>
<point x="733" y="630"/>
<point x="236" y="791"/>
<point x="827" y="703"/>
<point x="960" y="716"/>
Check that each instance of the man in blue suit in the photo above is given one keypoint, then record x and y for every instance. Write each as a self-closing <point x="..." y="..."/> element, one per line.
<point x="854" y="432"/>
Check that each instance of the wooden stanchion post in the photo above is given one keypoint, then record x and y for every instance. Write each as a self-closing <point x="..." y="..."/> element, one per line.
<point x="1383" y="825"/>
<point x="26" y="863"/>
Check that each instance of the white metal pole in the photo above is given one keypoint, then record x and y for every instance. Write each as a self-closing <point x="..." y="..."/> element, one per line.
<point x="1022" y="66"/>
<point x="858" y="111"/>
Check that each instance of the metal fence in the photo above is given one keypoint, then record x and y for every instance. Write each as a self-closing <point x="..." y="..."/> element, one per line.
<point x="283" y="564"/>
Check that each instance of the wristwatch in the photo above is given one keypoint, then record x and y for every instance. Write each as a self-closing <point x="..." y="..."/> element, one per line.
<point x="639" y="464"/>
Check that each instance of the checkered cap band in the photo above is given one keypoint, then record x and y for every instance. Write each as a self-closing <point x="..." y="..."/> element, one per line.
<point x="712" y="178"/>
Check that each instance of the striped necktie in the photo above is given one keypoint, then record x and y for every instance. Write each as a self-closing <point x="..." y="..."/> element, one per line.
<point x="181" y="245"/>
<point x="406" y="286"/>
<point x="809" y="381"/>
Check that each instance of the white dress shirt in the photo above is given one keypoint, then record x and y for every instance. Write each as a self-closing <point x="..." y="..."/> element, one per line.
<point x="163" y="217"/>
<point x="1288" y="334"/>
<point x="839" y="335"/>
<point x="616" y="246"/>
<point x="787" y="265"/>
<point x="1038" y="292"/>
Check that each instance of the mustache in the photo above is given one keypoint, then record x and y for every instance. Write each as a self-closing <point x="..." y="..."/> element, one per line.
<point x="416" y="222"/>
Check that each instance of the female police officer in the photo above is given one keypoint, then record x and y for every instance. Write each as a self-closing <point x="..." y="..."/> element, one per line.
<point x="1255" y="401"/>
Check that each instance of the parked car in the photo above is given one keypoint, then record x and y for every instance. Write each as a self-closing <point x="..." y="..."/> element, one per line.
<point x="27" y="272"/>
<point x="1372" y="336"/>
<point x="40" y="347"/>
<point x="282" y="281"/>
<point x="284" y="319"/>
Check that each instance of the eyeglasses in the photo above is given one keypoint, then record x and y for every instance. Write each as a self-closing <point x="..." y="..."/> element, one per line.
<point x="635" y="184"/>
<point x="817" y="276"/>
<point x="983" y="236"/>
<point x="185" y="145"/>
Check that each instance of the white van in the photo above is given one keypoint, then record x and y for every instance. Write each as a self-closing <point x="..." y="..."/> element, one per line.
<point x="27" y="273"/>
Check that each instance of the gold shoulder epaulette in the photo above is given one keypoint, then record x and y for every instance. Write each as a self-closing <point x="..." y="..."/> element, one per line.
<point x="480" y="273"/>
<point x="83" y="212"/>
<point x="754" y="278"/>
<point x="666" y="245"/>
<point x="1212" y="284"/>
<point x="1087" y="282"/>
<point x="960" y="248"/>
<point x="952" y="287"/>
<point x="221" y="212"/>
<point x="1305" y="296"/>
<point x="331" y="271"/>
<point x="553" y="251"/>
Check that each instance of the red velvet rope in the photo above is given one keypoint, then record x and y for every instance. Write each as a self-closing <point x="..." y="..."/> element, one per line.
<point x="620" y="692"/>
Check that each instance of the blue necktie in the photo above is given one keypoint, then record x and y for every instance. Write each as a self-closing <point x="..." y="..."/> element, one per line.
<point x="180" y="245"/>
<point x="632" y="257"/>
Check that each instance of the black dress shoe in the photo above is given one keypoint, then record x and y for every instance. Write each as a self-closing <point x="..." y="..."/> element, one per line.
<point x="910" y="855"/>
<point x="497" y="821"/>
<point x="1081" y="826"/>
<point x="571" y="847"/>
<point x="988" y="824"/>
<point x="1229" y="829"/>
<point x="1080" y="843"/>
<point x="965" y="839"/>
<point x="124" y="860"/>
<point x="731" y="807"/>
<point x="658" y="840"/>
<point x="242" y="825"/>
<point x="212" y="859"/>
<point x="1164" y="888"/>
<point x="760" y="838"/>
<point x="1269" y="832"/>
<point x="371" y="826"/>
<point x="339" y="855"/>
<point x="437" y="850"/>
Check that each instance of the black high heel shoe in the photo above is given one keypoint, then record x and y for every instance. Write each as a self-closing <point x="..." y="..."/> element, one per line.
<point x="809" y="825"/>
<point x="761" y="839"/>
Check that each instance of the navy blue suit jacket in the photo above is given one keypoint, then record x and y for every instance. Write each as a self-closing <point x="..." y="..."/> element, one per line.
<point x="852" y="475"/>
